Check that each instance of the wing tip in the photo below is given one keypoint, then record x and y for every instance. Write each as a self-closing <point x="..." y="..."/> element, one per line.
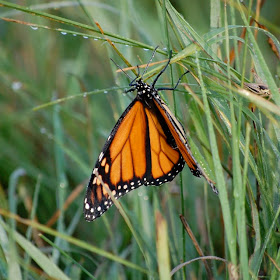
<point x="91" y="211"/>
<point x="92" y="216"/>
<point x="214" y="189"/>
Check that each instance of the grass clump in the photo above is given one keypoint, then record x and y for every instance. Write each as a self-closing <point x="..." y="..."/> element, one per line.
<point x="60" y="98"/>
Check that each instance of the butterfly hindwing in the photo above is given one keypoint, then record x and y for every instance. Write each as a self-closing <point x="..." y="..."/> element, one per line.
<point x="181" y="141"/>
<point x="166" y="160"/>
<point x="179" y="135"/>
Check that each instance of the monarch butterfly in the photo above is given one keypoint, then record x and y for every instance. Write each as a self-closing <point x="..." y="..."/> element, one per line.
<point x="147" y="146"/>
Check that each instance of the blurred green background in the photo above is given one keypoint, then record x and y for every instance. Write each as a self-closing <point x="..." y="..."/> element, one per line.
<point x="53" y="149"/>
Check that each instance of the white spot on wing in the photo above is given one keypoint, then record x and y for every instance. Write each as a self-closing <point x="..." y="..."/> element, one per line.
<point x="101" y="156"/>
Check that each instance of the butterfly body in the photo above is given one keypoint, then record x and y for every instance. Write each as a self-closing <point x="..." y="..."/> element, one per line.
<point x="147" y="146"/>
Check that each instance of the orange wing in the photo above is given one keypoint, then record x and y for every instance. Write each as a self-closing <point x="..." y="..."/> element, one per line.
<point x="140" y="150"/>
<point x="147" y="146"/>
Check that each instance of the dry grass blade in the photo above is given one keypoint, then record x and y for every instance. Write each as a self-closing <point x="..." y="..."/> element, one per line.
<point x="74" y="194"/>
<point x="197" y="247"/>
<point x="174" y="270"/>
<point x="162" y="247"/>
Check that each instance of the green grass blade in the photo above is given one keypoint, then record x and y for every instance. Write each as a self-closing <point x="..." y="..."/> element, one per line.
<point x="256" y="264"/>
<point x="260" y="60"/>
<point x="231" y="239"/>
<point x="75" y="241"/>
<point x="43" y="262"/>
<point x="238" y="193"/>
<point x="67" y="256"/>
<point x="162" y="247"/>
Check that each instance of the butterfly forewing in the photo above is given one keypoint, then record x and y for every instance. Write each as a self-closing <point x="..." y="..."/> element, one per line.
<point x="114" y="168"/>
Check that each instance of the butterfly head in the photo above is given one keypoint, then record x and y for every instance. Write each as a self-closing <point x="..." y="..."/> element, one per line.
<point x="143" y="89"/>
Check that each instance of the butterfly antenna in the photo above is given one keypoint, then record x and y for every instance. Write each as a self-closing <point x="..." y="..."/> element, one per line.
<point x="153" y="54"/>
<point x="121" y="69"/>
<point x="132" y="83"/>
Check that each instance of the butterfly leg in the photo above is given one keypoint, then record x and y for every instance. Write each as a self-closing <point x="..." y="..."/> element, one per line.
<point x="129" y="90"/>
<point x="160" y="73"/>
<point x="179" y="80"/>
